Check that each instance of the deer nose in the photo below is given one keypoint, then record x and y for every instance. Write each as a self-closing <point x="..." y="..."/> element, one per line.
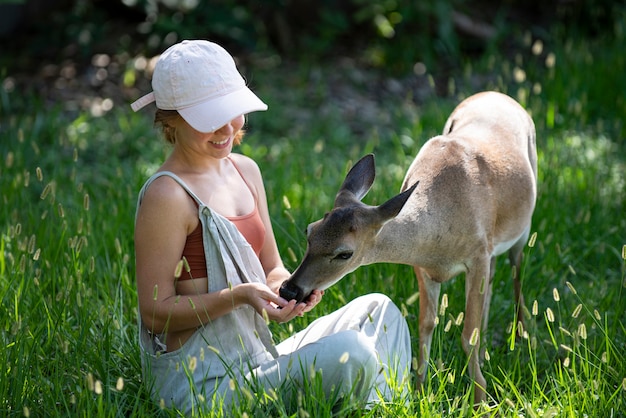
<point x="289" y="291"/>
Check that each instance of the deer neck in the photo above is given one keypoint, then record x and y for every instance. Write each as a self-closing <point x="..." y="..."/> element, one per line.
<point x="389" y="246"/>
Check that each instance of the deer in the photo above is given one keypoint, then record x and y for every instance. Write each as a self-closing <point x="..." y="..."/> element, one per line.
<point x="467" y="197"/>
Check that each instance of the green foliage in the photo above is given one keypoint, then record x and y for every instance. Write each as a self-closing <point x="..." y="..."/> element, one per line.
<point x="68" y="184"/>
<point x="390" y="34"/>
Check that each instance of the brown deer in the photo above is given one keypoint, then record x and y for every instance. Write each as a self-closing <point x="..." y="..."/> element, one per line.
<point x="475" y="199"/>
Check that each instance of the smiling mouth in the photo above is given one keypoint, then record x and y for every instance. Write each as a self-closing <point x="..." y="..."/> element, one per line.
<point x="221" y="142"/>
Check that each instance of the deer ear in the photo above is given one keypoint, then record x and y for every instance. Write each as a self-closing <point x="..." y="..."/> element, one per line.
<point x="393" y="206"/>
<point x="358" y="181"/>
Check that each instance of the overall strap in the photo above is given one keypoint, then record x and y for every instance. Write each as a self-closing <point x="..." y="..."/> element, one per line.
<point x="219" y="234"/>
<point x="176" y="178"/>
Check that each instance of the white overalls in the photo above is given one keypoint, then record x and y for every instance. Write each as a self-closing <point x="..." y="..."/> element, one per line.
<point x="356" y="348"/>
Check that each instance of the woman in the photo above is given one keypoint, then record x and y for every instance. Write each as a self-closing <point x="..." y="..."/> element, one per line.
<point x="208" y="267"/>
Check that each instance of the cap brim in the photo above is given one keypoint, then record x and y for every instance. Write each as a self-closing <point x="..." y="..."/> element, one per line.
<point x="211" y="115"/>
<point x="142" y="101"/>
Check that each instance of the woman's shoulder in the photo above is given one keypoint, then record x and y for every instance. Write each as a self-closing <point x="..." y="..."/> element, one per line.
<point x="164" y="190"/>
<point x="246" y="165"/>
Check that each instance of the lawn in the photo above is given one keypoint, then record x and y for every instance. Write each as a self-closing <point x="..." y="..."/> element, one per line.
<point x="68" y="184"/>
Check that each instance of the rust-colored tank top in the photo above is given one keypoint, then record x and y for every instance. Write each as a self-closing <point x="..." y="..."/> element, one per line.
<point x="251" y="227"/>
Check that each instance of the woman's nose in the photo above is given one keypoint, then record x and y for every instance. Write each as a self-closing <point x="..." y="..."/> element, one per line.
<point x="226" y="129"/>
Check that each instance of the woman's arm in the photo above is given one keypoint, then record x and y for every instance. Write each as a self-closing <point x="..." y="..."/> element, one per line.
<point x="165" y="218"/>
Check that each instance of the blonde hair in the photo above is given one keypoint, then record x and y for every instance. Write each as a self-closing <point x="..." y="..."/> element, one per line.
<point x="166" y="120"/>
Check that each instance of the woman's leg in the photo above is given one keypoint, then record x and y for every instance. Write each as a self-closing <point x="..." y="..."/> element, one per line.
<point x="346" y="362"/>
<point x="373" y="333"/>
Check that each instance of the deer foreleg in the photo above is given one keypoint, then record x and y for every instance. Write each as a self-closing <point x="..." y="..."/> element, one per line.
<point x="477" y="283"/>
<point x="429" y="302"/>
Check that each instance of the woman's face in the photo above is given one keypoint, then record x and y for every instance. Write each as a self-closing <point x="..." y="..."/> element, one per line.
<point x="218" y="143"/>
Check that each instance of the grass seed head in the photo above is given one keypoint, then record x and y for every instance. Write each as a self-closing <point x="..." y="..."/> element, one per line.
<point x="459" y="319"/>
<point x="597" y="315"/>
<point x="474" y="338"/>
<point x="179" y="269"/>
<point x="412" y="299"/>
<point x="119" y="386"/>
<point x="46" y="191"/>
<point x="571" y="288"/>
<point x="550" y="315"/>
<point x="444" y="304"/>
<point x="533" y="239"/>
<point x="193" y="363"/>
<point x="292" y="255"/>
<point x="286" y="202"/>
<point x="451" y="377"/>
<point x="90" y="382"/>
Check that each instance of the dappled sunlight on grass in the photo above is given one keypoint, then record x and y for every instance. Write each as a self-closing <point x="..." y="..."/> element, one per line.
<point x="68" y="189"/>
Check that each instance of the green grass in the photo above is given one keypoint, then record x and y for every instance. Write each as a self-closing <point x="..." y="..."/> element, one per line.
<point x="68" y="188"/>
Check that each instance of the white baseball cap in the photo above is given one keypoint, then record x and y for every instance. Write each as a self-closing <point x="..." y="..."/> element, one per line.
<point x="200" y="80"/>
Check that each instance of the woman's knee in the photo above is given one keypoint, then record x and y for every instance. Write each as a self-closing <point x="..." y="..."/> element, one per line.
<point x="354" y="363"/>
<point x="377" y="301"/>
<point x="355" y="348"/>
<point x="379" y="305"/>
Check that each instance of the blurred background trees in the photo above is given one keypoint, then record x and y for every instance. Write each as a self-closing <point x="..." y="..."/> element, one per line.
<point x="94" y="54"/>
<point x="393" y="34"/>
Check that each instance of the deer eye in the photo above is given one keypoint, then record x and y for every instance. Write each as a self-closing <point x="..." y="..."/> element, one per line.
<point x="346" y="255"/>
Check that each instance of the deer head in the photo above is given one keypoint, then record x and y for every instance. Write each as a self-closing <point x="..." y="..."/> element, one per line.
<point x="336" y="244"/>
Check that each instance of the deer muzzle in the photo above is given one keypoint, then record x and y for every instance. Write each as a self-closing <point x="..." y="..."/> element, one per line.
<point x="289" y="291"/>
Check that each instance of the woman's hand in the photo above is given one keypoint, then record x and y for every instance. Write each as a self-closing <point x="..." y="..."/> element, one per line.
<point x="314" y="298"/>
<point x="268" y="304"/>
<point x="291" y="310"/>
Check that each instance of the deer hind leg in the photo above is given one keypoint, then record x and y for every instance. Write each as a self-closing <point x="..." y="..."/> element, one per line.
<point x="488" y="286"/>
<point x="516" y="256"/>
<point x="429" y="302"/>
<point x="477" y="284"/>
